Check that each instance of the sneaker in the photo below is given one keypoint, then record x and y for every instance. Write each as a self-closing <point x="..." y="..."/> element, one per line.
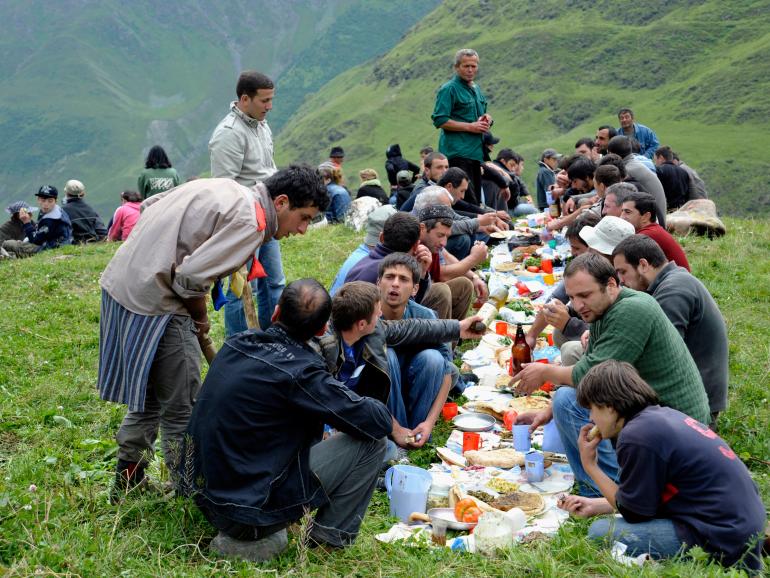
<point x="252" y="550"/>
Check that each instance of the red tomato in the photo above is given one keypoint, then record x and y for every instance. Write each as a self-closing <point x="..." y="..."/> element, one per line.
<point x="533" y="269"/>
<point x="471" y="515"/>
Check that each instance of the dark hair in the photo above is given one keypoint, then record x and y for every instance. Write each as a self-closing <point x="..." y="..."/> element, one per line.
<point x="403" y="260"/>
<point x="617" y="385"/>
<point x="305" y="307"/>
<point x="131" y="196"/>
<point x="638" y="247"/>
<point x="353" y="302"/>
<point x="250" y="81"/>
<point x="582" y="168"/>
<point x="665" y="152"/>
<point x="607" y="175"/>
<point x="426" y="150"/>
<point x="620" y="145"/>
<point x="302" y="184"/>
<point x="628" y="110"/>
<point x="636" y="146"/>
<point x="585" y="141"/>
<point x="428" y="160"/>
<point x="400" y="232"/>
<point x="643" y="202"/>
<point x="430" y="224"/>
<point x="454" y="176"/>
<point x="611" y="132"/>
<point x="587" y="219"/>
<point x="615" y="161"/>
<point x="509" y="155"/>
<point x="675" y="156"/>
<point x="597" y="266"/>
<point x="157" y="159"/>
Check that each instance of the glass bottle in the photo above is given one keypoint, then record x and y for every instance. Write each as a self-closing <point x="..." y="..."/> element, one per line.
<point x="520" y="351"/>
<point x="495" y="301"/>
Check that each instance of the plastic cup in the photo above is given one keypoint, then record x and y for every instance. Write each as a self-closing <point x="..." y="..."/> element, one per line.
<point x="449" y="410"/>
<point x="521" y="442"/>
<point x="533" y="465"/>
<point x="549" y="337"/>
<point x="471" y="441"/>
<point x="546" y="265"/>
<point x="509" y="419"/>
<point x="501" y="328"/>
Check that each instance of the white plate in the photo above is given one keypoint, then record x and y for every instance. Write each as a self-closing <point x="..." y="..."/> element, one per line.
<point x="493" y="340"/>
<point x="474" y="422"/>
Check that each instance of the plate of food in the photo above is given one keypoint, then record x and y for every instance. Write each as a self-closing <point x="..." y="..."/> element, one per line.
<point x="496" y="341"/>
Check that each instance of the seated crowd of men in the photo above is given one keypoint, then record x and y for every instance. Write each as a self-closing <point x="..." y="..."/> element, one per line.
<point x="303" y="413"/>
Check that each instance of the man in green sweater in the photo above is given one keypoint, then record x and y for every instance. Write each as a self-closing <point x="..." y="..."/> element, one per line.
<point x="626" y="325"/>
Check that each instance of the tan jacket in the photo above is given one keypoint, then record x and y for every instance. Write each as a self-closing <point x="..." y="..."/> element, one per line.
<point x="241" y="149"/>
<point x="185" y="239"/>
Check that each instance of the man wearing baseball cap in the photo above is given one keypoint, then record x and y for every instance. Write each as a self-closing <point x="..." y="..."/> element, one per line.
<point x="52" y="230"/>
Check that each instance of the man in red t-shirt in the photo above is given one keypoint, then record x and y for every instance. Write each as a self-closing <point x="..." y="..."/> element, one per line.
<point x="639" y="210"/>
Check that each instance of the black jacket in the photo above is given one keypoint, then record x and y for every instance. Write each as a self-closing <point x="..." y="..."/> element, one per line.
<point x="396" y="163"/>
<point x="373" y="191"/>
<point x="263" y="405"/>
<point x="676" y="184"/>
<point x="86" y="224"/>
<point x="402" y="194"/>
<point x="374" y="380"/>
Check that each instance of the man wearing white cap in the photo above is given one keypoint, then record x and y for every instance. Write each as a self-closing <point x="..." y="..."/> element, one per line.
<point x="603" y="238"/>
<point x="87" y="226"/>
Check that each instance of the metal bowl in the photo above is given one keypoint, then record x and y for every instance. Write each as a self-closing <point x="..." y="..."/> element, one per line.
<point x="473" y="421"/>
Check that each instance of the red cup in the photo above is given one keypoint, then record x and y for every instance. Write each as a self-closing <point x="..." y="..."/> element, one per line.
<point x="546" y="265"/>
<point x="501" y="328"/>
<point x="550" y="338"/>
<point x="449" y="410"/>
<point x="471" y="441"/>
<point x="509" y="418"/>
<point x="547" y="387"/>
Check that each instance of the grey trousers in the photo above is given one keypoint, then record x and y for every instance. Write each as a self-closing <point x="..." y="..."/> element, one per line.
<point x="348" y="470"/>
<point x="173" y="384"/>
<point x="20" y="249"/>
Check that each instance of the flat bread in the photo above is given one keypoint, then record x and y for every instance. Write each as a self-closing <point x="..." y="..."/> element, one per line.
<point x="506" y="266"/>
<point x="529" y="403"/>
<point x="530" y="504"/>
<point x="498" y="407"/>
<point x="504" y="458"/>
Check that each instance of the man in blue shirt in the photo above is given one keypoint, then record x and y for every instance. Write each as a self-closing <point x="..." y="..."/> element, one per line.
<point x="647" y="138"/>
<point x="421" y="376"/>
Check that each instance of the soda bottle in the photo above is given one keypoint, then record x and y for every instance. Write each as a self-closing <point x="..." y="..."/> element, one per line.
<point x="520" y="351"/>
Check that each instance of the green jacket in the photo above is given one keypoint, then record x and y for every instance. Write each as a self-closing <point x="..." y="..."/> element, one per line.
<point x="635" y="329"/>
<point x="457" y="100"/>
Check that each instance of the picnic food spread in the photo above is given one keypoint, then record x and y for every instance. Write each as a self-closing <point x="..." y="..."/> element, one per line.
<point x="487" y="475"/>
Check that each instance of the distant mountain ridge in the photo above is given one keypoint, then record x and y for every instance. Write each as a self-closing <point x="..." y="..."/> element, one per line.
<point x="88" y="86"/>
<point x="697" y="72"/>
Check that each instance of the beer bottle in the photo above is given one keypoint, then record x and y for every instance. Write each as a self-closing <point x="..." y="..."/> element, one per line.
<point x="520" y="351"/>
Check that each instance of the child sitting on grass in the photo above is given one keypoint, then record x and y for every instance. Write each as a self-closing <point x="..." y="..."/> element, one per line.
<point x="680" y="484"/>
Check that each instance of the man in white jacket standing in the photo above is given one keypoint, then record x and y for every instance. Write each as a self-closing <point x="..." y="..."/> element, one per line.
<point x="241" y="149"/>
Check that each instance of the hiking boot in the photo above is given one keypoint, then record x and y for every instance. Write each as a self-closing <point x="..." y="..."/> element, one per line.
<point x="128" y="476"/>
<point x="252" y="550"/>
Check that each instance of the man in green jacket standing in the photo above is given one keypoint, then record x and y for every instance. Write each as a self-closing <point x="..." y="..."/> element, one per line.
<point x="461" y="115"/>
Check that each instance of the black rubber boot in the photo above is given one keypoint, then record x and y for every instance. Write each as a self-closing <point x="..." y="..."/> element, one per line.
<point x="127" y="477"/>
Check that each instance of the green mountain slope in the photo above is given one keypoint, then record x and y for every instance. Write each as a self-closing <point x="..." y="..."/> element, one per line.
<point x="696" y="72"/>
<point x="89" y="86"/>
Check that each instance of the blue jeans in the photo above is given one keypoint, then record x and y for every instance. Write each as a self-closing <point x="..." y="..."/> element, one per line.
<point x="267" y="290"/>
<point x="570" y="416"/>
<point x="656" y="537"/>
<point x="414" y="384"/>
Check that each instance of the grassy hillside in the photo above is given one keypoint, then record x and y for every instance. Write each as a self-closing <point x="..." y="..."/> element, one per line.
<point x="88" y="87"/>
<point x="696" y="72"/>
<point x="57" y="449"/>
